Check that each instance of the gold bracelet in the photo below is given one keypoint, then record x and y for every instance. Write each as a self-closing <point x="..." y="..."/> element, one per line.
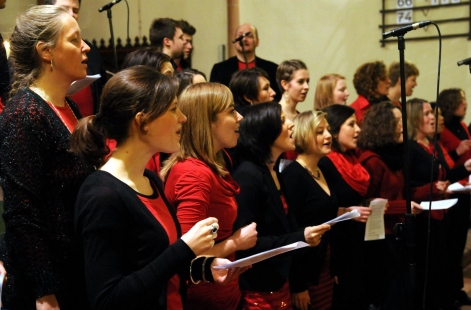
<point x="202" y="270"/>
<point x="191" y="277"/>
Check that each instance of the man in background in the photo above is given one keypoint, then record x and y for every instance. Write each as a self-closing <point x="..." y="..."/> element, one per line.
<point x="188" y="33"/>
<point x="222" y="72"/>
<point x="167" y="35"/>
<point x="87" y="99"/>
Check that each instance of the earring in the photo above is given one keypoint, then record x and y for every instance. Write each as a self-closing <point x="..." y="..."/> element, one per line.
<point x="52" y="67"/>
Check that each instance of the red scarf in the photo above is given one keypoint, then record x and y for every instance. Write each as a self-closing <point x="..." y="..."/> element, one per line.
<point x="351" y="171"/>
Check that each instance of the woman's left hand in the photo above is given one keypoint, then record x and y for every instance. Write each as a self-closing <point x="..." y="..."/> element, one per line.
<point x="442" y="186"/>
<point x="222" y="276"/>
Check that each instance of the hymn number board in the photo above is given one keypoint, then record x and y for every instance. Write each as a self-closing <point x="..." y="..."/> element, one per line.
<point x="404" y="16"/>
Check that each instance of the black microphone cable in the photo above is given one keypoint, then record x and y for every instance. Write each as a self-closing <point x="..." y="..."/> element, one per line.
<point x="435" y="149"/>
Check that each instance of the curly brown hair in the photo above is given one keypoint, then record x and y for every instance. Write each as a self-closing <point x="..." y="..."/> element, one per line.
<point x="378" y="127"/>
<point x="366" y="78"/>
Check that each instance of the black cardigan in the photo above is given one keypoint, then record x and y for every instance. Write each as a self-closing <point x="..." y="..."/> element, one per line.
<point x="311" y="206"/>
<point x="40" y="179"/>
<point x="128" y="259"/>
<point x="259" y="201"/>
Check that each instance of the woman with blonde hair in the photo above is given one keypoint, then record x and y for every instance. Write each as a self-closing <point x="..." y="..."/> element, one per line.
<point x="312" y="203"/>
<point x="198" y="184"/>
<point x="330" y="89"/>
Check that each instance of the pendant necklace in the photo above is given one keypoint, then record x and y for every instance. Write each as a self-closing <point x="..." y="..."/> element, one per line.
<point x="318" y="177"/>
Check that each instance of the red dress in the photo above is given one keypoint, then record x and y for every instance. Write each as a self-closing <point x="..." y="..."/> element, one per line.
<point x="197" y="192"/>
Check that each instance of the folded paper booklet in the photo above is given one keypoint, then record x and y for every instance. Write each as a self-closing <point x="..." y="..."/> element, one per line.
<point x="263" y="255"/>
<point x="78" y="85"/>
<point x="346" y="216"/>
<point x="457" y="187"/>
<point x="374" y="228"/>
<point x="439" y="204"/>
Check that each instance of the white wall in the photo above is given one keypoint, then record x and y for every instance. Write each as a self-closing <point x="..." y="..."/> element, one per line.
<point x="329" y="35"/>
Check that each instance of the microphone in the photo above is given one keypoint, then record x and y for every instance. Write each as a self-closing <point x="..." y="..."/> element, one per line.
<point x="108" y="6"/>
<point x="240" y="37"/>
<point x="466" y="61"/>
<point x="405" y="29"/>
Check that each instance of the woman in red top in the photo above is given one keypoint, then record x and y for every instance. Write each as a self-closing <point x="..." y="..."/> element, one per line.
<point x="457" y="141"/>
<point x="198" y="184"/>
<point x="455" y="137"/>
<point x="381" y="141"/>
<point x="372" y="85"/>
<point x="455" y="227"/>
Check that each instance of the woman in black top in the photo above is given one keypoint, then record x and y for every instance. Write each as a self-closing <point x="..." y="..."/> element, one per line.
<point x="350" y="182"/>
<point x="311" y="200"/>
<point x="135" y="255"/>
<point x="265" y="133"/>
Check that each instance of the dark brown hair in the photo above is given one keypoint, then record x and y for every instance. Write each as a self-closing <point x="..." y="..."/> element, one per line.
<point x="128" y="92"/>
<point x="448" y="101"/>
<point x="378" y="127"/>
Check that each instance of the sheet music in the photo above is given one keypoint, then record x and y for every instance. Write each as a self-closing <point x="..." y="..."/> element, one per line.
<point x="78" y="85"/>
<point x="263" y="255"/>
<point x="439" y="204"/>
<point x="374" y="229"/>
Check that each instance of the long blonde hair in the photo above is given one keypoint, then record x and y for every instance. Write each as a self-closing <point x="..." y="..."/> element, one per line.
<point x="200" y="103"/>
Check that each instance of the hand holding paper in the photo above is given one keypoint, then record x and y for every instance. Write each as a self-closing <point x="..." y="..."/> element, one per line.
<point x="313" y="234"/>
<point x="457" y="188"/>
<point x="346" y="216"/>
<point x="223" y="275"/>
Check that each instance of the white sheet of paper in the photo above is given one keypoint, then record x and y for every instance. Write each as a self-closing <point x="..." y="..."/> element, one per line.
<point x="346" y="216"/>
<point x="457" y="187"/>
<point x="263" y="255"/>
<point x="439" y="204"/>
<point x="78" y="85"/>
<point x="374" y="229"/>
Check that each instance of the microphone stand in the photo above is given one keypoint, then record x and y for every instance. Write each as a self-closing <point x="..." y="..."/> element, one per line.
<point x="409" y="227"/>
<point x="115" y="53"/>
<point x="244" y="53"/>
